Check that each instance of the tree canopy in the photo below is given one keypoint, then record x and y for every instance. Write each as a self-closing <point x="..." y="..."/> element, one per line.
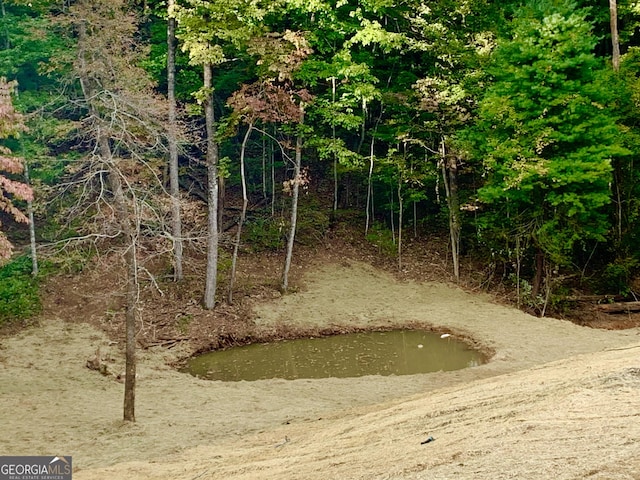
<point x="547" y="135"/>
<point x="495" y="122"/>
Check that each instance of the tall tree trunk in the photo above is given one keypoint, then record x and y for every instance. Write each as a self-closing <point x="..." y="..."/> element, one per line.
<point x="294" y="207"/>
<point x="618" y="175"/>
<point x="272" y="160"/>
<point x="370" y="213"/>
<point x="264" y="167"/>
<point x="400" y="215"/>
<point x="335" y="156"/>
<point x="539" y="274"/>
<point x="212" y="195"/>
<point x="222" y="193"/>
<point x="393" y="222"/>
<point x="518" y="268"/>
<point x="615" y="38"/>
<point x="548" y="285"/>
<point x="415" y="219"/>
<point x="450" y="180"/>
<point x="243" y="215"/>
<point x="5" y="29"/>
<point x="32" y="226"/>
<point x="122" y="211"/>
<point x="174" y="186"/>
<point x="369" y="206"/>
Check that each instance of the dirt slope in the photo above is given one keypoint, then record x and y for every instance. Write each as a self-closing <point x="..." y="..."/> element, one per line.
<point x="556" y="401"/>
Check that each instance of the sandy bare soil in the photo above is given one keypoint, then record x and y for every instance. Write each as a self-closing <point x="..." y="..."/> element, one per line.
<point x="556" y="401"/>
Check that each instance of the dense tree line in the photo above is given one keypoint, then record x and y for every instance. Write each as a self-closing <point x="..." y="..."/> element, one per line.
<point x="514" y="123"/>
<point x="512" y="126"/>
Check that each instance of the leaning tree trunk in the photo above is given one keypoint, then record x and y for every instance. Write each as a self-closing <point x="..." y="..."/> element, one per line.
<point x="212" y="195"/>
<point x="174" y="186"/>
<point x="294" y="209"/>
<point x="243" y="215"/>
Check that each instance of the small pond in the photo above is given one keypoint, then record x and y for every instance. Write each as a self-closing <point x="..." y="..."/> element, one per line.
<point x="396" y="352"/>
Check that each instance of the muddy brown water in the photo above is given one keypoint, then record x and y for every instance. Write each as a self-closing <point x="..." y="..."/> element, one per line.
<point x="396" y="352"/>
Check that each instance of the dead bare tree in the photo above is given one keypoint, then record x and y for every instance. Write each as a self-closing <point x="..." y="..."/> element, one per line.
<point x="123" y="125"/>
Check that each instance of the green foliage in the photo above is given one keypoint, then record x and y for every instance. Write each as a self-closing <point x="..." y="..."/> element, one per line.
<point x="313" y="222"/>
<point x="263" y="234"/>
<point x="329" y="149"/>
<point x="19" y="291"/>
<point x="383" y="239"/>
<point x="183" y="322"/>
<point x="73" y="260"/>
<point x="626" y="85"/>
<point x="206" y="28"/>
<point x="266" y="233"/>
<point x="545" y="134"/>
<point x="390" y="81"/>
<point x="617" y="276"/>
<point x="26" y="45"/>
<point x="524" y="291"/>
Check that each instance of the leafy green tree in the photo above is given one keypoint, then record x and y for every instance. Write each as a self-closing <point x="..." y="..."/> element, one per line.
<point x="546" y="138"/>
<point x="26" y="45"/>
<point x="454" y="41"/>
<point x="208" y="31"/>
<point x="625" y="209"/>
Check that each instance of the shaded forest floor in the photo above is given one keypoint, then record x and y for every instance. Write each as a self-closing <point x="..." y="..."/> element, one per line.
<point x="172" y="313"/>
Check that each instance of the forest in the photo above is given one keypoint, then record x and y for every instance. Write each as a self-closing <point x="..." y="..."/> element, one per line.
<point x="178" y="141"/>
<point x="167" y="128"/>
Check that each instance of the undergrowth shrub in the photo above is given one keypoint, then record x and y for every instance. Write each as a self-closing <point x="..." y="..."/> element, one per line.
<point x="19" y="291"/>
<point x="617" y="276"/>
<point x="263" y="234"/>
<point x="382" y="238"/>
<point x="313" y="224"/>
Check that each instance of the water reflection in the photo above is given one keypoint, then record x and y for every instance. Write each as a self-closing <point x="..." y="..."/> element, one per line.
<point x="398" y="352"/>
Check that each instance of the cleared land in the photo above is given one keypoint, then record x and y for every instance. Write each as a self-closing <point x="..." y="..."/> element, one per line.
<point x="556" y="401"/>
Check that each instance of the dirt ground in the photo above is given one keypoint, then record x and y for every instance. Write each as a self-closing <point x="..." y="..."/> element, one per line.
<point x="557" y="400"/>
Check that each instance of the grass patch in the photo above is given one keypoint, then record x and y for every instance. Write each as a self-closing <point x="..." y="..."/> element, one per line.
<point x="19" y="291"/>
